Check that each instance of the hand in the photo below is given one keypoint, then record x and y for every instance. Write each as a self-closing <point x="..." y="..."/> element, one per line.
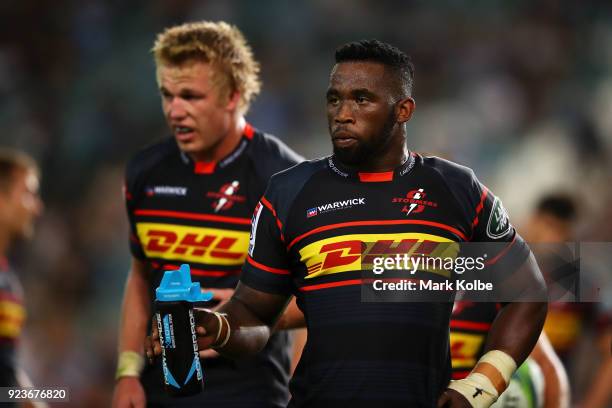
<point x="207" y="327"/>
<point x="129" y="393"/>
<point x="452" y="399"/>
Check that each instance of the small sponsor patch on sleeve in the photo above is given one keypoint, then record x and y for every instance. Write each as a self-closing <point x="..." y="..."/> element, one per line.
<point x="499" y="224"/>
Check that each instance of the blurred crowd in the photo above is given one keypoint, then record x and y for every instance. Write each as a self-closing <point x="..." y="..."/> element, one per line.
<point x="519" y="91"/>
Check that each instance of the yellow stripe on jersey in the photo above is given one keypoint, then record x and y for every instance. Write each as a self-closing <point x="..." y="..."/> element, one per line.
<point x="464" y="349"/>
<point x="11" y="310"/>
<point x="193" y="244"/>
<point x="355" y="252"/>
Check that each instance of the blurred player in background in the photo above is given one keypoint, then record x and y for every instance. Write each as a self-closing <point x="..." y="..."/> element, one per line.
<point x="554" y="220"/>
<point x="20" y="205"/>
<point x="307" y="238"/>
<point x="190" y="199"/>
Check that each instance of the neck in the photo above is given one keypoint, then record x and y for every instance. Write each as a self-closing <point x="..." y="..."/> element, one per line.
<point x="227" y="143"/>
<point x="393" y="155"/>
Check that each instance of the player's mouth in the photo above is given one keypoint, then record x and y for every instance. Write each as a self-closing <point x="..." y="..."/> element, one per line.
<point x="184" y="134"/>
<point x="342" y="138"/>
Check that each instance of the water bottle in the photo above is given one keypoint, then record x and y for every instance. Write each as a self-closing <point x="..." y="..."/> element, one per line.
<point x="174" y="299"/>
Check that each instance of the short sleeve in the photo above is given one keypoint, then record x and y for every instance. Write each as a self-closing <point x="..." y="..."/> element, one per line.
<point x="267" y="265"/>
<point x="492" y="228"/>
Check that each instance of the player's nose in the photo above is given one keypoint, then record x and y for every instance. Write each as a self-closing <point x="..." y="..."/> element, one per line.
<point x="344" y="114"/>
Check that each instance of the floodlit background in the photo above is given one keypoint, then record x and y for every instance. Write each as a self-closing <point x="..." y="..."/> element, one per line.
<point x="519" y="91"/>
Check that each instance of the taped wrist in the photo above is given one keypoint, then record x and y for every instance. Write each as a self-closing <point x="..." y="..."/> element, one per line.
<point x="488" y="379"/>
<point x="130" y="364"/>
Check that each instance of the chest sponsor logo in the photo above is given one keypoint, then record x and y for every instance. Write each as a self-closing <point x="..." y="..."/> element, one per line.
<point x="334" y="206"/>
<point x="499" y="224"/>
<point x="356" y="252"/>
<point x="414" y="202"/>
<point x="465" y="348"/>
<point x="193" y="244"/>
<point x="177" y="191"/>
<point x="226" y="197"/>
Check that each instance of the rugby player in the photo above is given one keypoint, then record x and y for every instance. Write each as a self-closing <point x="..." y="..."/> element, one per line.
<point x="189" y="200"/>
<point x="307" y="237"/>
<point x="20" y="205"/>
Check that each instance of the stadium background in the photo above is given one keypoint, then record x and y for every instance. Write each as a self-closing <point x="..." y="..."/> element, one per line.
<point x="520" y="92"/>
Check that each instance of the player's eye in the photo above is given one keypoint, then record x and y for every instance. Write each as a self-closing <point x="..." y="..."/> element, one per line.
<point x="333" y="100"/>
<point x="362" y="99"/>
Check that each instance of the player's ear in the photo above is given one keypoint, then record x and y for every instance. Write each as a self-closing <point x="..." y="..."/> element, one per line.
<point x="232" y="101"/>
<point x="404" y="109"/>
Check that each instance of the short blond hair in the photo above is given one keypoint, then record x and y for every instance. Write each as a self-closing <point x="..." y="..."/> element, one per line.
<point x="220" y="44"/>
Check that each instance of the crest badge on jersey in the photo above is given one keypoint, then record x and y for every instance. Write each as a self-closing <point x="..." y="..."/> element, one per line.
<point x="226" y="197"/>
<point x="499" y="224"/>
<point x="415" y="202"/>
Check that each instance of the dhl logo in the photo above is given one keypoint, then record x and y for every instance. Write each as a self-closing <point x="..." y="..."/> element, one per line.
<point x="356" y="252"/>
<point x="193" y="244"/>
<point x="464" y="349"/>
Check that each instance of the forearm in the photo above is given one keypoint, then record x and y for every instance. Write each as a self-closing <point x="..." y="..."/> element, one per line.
<point x="516" y="329"/>
<point x="248" y="333"/>
<point x="251" y="315"/>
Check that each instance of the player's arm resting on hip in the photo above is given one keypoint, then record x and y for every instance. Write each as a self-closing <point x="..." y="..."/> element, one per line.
<point x="133" y="329"/>
<point x="511" y="339"/>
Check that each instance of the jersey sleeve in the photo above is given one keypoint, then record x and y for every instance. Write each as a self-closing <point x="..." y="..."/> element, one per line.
<point x="267" y="265"/>
<point x="492" y="230"/>
<point x="130" y="195"/>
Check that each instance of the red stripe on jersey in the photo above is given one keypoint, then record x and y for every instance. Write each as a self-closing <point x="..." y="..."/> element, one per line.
<point x="502" y="253"/>
<point x="248" y="131"/>
<point x="376" y="177"/>
<point x="348" y="282"/>
<point x="263" y="267"/>
<point x="469" y="325"/>
<point x="193" y="216"/>
<point x="10" y="297"/>
<point x="459" y="375"/>
<point x="205" y="167"/>
<point x="268" y="205"/>
<point x="480" y="206"/>
<point x="378" y="222"/>
<point x="202" y="272"/>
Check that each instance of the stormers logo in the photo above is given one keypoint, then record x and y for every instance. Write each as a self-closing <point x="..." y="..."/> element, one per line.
<point x="356" y="252"/>
<point x="226" y="196"/>
<point x="191" y="244"/>
<point x="414" y="202"/>
<point x="499" y="224"/>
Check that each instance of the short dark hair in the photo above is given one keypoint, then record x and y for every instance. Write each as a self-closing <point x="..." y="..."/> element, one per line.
<point x="560" y="205"/>
<point x="378" y="51"/>
<point x="12" y="160"/>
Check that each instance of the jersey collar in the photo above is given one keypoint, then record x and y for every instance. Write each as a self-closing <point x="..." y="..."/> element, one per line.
<point x="350" y="173"/>
<point x="209" y="167"/>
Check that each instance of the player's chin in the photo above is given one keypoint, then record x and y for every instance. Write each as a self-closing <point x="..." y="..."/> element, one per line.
<point x="351" y="155"/>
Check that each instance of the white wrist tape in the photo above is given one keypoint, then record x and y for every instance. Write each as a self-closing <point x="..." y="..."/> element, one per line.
<point x="488" y="379"/>
<point x="130" y="364"/>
